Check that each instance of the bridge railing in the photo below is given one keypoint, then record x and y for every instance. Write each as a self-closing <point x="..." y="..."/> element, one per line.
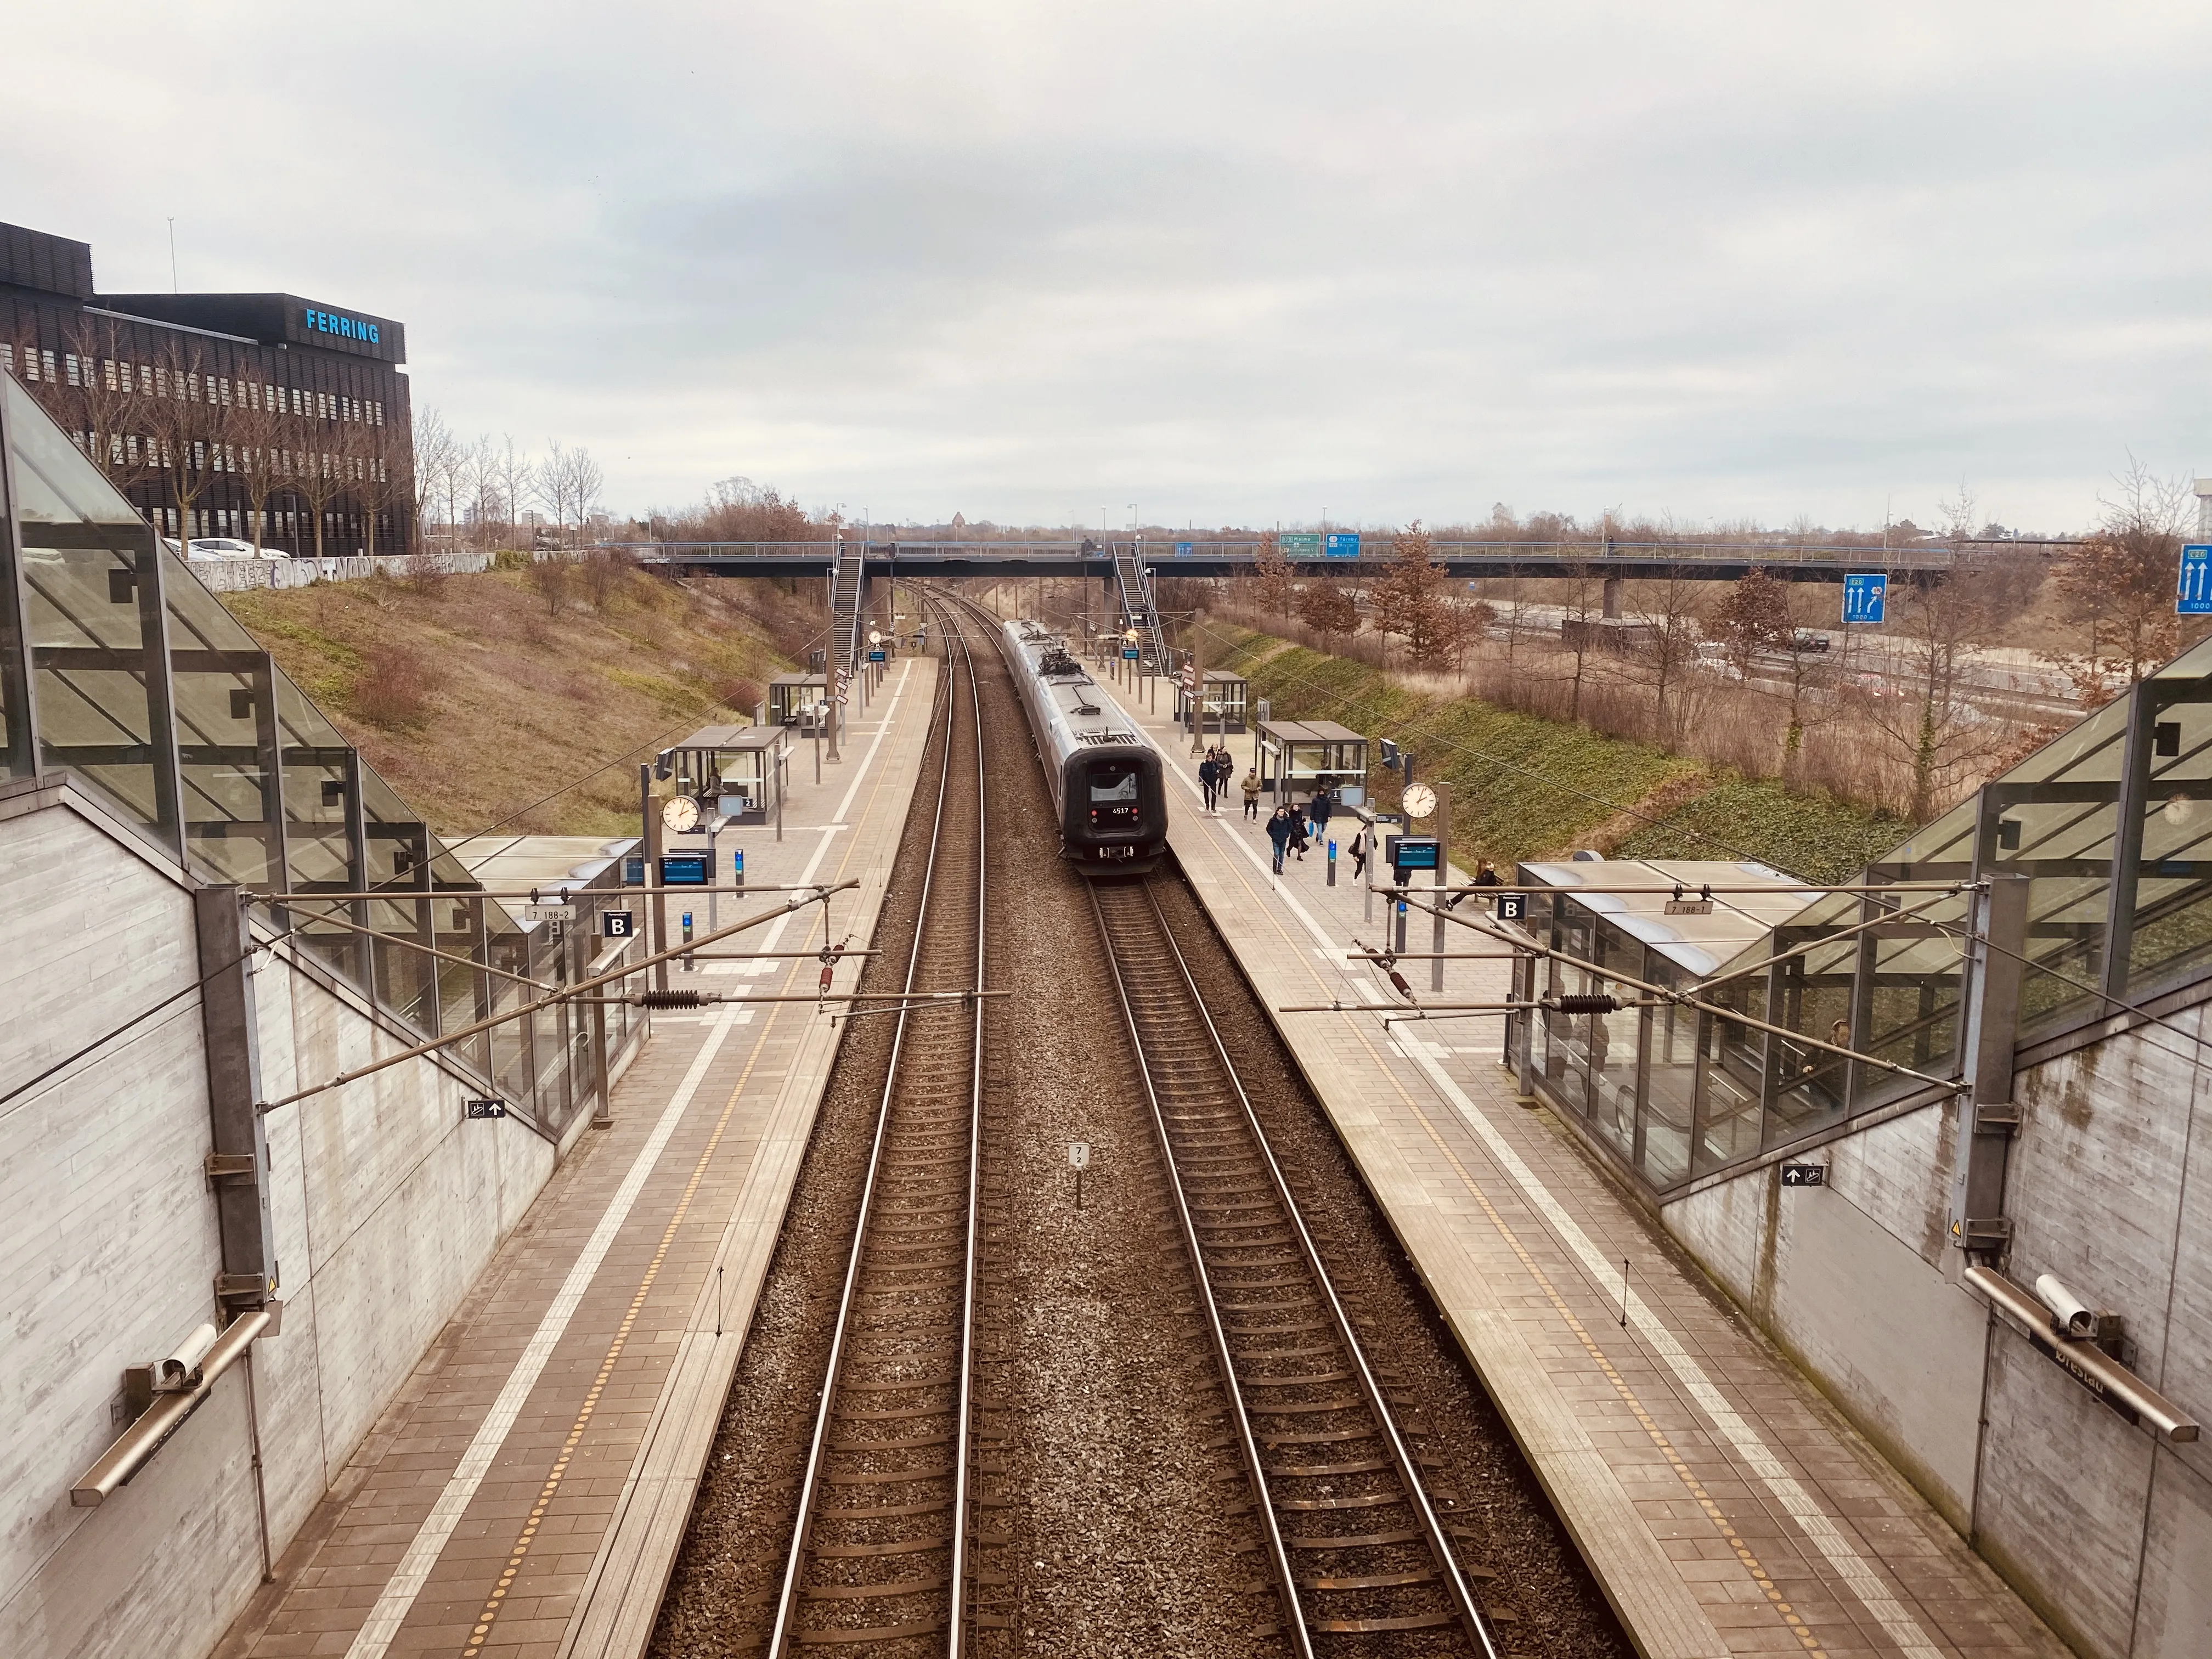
<point x="1161" y="555"/>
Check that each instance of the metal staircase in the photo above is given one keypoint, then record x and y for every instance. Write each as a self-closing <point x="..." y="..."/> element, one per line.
<point x="1138" y="610"/>
<point x="848" y="589"/>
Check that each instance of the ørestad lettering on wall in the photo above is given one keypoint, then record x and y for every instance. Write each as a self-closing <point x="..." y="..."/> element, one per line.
<point x="323" y="322"/>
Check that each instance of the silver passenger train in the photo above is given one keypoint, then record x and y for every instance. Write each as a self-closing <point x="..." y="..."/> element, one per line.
<point x="1104" y="777"/>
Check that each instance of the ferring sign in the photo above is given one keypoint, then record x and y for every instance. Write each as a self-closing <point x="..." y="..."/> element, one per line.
<point x="346" y="328"/>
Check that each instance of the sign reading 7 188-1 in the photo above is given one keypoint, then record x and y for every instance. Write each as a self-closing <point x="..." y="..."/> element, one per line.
<point x="2193" y="598"/>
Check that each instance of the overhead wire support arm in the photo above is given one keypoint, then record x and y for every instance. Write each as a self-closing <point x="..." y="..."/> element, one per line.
<point x="815" y="895"/>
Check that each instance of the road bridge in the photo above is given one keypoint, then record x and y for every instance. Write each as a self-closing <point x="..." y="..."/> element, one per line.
<point x="1616" y="560"/>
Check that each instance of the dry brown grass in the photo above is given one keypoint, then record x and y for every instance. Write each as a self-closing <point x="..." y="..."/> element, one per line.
<point x="472" y="702"/>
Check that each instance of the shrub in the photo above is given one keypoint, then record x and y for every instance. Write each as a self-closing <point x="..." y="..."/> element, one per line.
<point x="394" y="687"/>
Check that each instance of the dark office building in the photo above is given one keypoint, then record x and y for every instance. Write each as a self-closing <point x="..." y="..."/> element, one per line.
<point x="207" y="406"/>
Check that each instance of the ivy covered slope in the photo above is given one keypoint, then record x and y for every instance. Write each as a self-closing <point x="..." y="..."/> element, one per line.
<point x="474" y="695"/>
<point x="1525" y="787"/>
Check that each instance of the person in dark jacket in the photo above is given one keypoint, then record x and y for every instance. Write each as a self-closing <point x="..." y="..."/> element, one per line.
<point x="1362" y="840"/>
<point x="1279" y="831"/>
<point x="1209" y="779"/>
<point x="1297" y="832"/>
<point x="1319" y="809"/>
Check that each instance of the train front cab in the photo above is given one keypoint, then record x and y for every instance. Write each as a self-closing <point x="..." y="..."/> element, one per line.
<point x="1115" y="809"/>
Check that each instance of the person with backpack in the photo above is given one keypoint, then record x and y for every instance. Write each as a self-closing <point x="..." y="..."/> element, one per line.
<point x="1209" y="779"/>
<point x="1362" y="842"/>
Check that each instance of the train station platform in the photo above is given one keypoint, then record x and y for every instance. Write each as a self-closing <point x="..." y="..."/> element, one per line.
<point x="523" y="1497"/>
<point x="1723" y="1504"/>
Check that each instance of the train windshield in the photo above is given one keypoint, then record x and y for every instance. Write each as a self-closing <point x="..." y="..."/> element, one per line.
<point x="1113" y="781"/>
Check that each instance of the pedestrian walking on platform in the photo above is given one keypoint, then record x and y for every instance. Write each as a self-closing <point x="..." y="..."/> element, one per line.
<point x="1319" y="809"/>
<point x="1362" y="842"/>
<point x="1279" y="831"/>
<point x="1209" y="779"/>
<point x="1252" y="793"/>
<point x="1297" y="832"/>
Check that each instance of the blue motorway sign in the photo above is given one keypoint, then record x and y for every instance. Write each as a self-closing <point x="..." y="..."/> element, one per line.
<point x="1182" y="550"/>
<point x="1301" y="546"/>
<point x="2193" y="598"/>
<point x="1344" y="544"/>
<point x="1864" y="597"/>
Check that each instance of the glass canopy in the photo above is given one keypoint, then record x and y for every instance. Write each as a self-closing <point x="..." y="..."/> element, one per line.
<point x="2109" y="823"/>
<point x="118" y="665"/>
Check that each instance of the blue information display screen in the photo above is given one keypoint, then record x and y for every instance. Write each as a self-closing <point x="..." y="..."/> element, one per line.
<point x="633" y="873"/>
<point x="1411" y="852"/>
<point x="686" y="870"/>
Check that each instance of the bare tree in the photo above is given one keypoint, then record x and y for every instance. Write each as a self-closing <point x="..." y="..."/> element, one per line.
<point x="585" y="478"/>
<point x="1934" y="725"/>
<point x="552" y="484"/>
<point x="517" y="476"/>
<point x="1407" y="588"/>
<point x="1578" y="630"/>
<point x="1329" y="610"/>
<point x="257" y="438"/>
<point x="2120" y="585"/>
<point x="103" y="411"/>
<point x="316" y="478"/>
<point x="434" y="467"/>
<point x="1273" y="576"/>
<point x="1671" y="609"/>
<point x="189" y="426"/>
<point x="482" y="467"/>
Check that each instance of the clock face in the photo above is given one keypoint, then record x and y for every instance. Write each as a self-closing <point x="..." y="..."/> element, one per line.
<point x="1419" y="800"/>
<point x="679" y="814"/>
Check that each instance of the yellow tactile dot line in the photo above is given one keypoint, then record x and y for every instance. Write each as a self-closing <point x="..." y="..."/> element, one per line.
<point x="486" y="1619"/>
<point x="1713" y="1512"/>
<point x="1658" y="1436"/>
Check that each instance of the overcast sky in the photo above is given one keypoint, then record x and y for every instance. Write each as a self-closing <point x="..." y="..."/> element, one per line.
<point x="1234" y="264"/>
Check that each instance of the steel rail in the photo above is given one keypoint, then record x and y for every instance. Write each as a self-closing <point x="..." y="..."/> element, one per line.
<point x="1469" y="1613"/>
<point x="783" y="1631"/>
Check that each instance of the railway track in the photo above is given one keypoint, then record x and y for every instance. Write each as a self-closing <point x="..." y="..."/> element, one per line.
<point x="1360" y="1560"/>
<point x="888" y="1555"/>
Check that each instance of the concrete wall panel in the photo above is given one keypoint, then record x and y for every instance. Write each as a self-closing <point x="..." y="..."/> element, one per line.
<point x="2174" y="1618"/>
<point x="386" y="1207"/>
<point x="1889" y="1339"/>
<point x="2063" y="1487"/>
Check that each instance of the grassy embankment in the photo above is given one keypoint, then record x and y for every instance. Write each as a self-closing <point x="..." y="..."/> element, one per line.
<point x="475" y="695"/>
<point x="1525" y="787"/>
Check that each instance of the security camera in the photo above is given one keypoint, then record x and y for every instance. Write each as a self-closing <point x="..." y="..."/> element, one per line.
<point x="180" y="1372"/>
<point x="2069" y="1315"/>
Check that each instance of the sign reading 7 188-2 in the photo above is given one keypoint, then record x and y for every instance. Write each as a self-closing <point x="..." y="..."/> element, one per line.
<point x="2194" y="595"/>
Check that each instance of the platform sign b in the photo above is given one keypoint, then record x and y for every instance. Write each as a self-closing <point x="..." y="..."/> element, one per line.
<point x="2193" y="595"/>
<point x="1865" y="598"/>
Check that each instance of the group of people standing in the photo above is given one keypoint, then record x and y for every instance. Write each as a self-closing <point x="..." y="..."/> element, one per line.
<point x="1214" y="774"/>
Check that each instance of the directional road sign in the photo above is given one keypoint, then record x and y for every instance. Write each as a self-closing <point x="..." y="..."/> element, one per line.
<point x="2194" y="595"/>
<point x="1301" y="546"/>
<point x="1343" y="544"/>
<point x="1182" y="550"/>
<point x="1864" y="597"/>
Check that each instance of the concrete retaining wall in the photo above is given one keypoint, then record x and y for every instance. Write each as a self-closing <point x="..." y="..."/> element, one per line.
<point x="2108" y="1535"/>
<point x="387" y="1205"/>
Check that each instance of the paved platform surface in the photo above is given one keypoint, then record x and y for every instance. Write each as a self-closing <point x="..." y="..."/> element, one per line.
<point x="524" y="1498"/>
<point x="1725" y="1506"/>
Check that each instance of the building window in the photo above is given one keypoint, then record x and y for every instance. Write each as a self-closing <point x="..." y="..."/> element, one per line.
<point x="47" y="362"/>
<point x="69" y="367"/>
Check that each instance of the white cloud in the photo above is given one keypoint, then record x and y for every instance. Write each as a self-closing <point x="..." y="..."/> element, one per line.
<point x="1235" y="262"/>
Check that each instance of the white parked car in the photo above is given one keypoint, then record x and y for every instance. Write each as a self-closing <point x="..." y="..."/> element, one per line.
<point x="227" y="547"/>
